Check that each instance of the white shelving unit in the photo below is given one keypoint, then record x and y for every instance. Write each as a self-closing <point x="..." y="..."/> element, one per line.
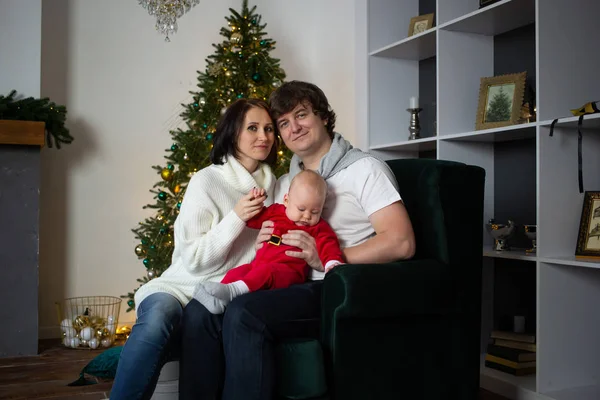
<point x="565" y="76"/>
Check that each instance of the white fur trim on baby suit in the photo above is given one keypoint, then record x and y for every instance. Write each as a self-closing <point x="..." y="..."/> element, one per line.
<point x="331" y="264"/>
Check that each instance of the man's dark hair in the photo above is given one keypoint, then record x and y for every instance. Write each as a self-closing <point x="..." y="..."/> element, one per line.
<point x="229" y="127"/>
<point x="285" y="98"/>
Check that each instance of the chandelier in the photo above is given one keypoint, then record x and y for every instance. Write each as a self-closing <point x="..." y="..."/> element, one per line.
<point x="167" y="12"/>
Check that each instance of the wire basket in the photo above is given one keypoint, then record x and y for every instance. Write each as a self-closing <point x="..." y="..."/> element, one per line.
<point x="89" y="322"/>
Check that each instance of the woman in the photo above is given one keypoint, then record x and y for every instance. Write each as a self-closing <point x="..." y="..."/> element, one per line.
<point x="210" y="238"/>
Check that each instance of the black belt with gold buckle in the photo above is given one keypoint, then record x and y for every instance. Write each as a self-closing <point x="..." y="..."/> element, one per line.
<point x="276" y="240"/>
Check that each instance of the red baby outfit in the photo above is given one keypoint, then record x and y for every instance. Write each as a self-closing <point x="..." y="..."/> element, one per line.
<point x="272" y="269"/>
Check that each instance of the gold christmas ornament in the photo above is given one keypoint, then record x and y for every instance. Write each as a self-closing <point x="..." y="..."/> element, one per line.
<point x="139" y="250"/>
<point x="81" y="321"/>
<point x="177" y="189"/>
<point x="214" y="70"/>
<point x="236" y="37"/>
<point x="123" y="332"/>
<point x="102" y="332"/>
<point x="166" y="174"/>
<point x="97" y="321"/>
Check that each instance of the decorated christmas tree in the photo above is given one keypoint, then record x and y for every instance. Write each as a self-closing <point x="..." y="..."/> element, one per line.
<point x="241" y="67"/>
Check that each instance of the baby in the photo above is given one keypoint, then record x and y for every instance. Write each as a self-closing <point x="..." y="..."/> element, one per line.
<point x="272" y="268"/>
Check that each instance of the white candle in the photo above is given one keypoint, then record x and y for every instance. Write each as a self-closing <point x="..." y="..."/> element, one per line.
<point x="414" y="102"/>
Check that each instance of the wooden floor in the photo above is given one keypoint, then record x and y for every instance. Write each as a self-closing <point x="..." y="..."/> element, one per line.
<point x="46" y="376"/>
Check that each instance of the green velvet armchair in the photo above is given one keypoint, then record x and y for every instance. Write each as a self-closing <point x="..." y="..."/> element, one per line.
<point x="407" y="329"/>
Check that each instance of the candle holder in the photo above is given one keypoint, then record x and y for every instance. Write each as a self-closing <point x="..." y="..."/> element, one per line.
<point x="414" y="127"/>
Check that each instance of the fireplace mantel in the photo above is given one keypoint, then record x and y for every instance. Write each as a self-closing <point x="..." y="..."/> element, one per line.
<point x="22" y="132"/>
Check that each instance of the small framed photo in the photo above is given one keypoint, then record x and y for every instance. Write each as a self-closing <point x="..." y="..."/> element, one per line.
<point x="500" y="100"/>
<point x="420" y="24"/>
<point x="588" y="240"/>
<point x="485" y="3"/>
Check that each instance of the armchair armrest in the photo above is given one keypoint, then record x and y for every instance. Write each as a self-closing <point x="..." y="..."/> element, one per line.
<point x="386" y="290"/>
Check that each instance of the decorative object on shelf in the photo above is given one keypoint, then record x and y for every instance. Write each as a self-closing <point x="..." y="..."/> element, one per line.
<point x="167" y="12"/>
<point x="420" y="24"/>
<point x="30" y="109"/>
<point x="519" y="324"/>
<point x="581" y="112"/>
<point x="588" y="240"/>
<point x="485" y="3"/>
<point x="500" y="232"/>
<point x="531" y="233"/>
<point x="528" y="114"/>
<point x="89" y="322"/>
<point x="414" y="126"/>
<point x="500" y="100"/>
<point x="587" y="108"/>
<point x="528" y="109"/>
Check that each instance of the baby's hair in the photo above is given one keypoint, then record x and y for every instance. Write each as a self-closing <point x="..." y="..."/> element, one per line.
<point x="313" y="178"/>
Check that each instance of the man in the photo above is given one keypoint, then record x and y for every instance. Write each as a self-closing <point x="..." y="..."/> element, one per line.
<point x="364" y="209"/>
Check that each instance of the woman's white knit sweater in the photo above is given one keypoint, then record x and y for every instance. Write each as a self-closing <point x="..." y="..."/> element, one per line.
<point x="210" y="238"/>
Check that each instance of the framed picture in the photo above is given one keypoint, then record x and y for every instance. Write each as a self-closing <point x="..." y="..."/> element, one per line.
<point x="500" y="100"/>
<point x="588" y="240"/>
<point x="420" y="24"/>
<point x="485" y="3"/>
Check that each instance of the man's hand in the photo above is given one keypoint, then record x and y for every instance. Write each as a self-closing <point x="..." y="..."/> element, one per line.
<point x="264" y="235"/>
<point x="250" y="205"/>
<point x="307" y="244"/>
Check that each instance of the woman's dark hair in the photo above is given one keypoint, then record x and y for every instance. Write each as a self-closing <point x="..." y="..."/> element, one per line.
<point x="229" y="127"/>
<point x="290" y="94"/>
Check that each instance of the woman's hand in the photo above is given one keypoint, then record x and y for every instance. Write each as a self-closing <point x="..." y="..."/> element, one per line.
<point x="307" y="244"/>
<point x="265" y="234"/>
<point x="251" y="204"/>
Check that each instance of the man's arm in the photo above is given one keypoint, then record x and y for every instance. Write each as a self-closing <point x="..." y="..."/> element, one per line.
<point x="394" y="239"/>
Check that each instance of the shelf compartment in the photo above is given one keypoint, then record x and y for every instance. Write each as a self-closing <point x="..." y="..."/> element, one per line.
<point x="465" y="58"/>
<point x="418" y="47"/>
<point x="504" y="384"/>
<point x="568" y="327"/>
<point x="560" y="202"/>
<point x="424" y="144"/>
<point x="509" y="254"/>
<point x="506" y="133"/>
<point x="495" y="19"/>
<point x="567" y="63"/>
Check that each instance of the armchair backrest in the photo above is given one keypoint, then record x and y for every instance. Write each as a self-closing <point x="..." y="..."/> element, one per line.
<point x="444" y="200"/>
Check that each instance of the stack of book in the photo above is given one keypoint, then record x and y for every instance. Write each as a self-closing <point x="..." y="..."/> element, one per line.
<point x="513" y="353"/>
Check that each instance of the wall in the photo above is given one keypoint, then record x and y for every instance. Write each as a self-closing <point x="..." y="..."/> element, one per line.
<point x="123" y="86"/>
<point x="20" y="45"/>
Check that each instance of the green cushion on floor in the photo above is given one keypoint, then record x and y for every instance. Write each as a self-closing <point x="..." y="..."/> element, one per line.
<point x="301" y="369"/>
<point x="104" y="365"/>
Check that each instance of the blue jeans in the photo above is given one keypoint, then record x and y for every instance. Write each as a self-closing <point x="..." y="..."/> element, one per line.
<point x="233" y="354"/>
<point x="150" y="343"/>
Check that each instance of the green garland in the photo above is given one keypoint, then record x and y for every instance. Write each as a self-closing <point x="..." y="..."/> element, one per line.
<point x="44" y="110"/>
